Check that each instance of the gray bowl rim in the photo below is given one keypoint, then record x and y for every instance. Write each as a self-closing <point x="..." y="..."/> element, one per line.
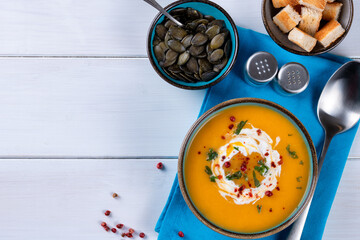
<point x="312" y="53"/>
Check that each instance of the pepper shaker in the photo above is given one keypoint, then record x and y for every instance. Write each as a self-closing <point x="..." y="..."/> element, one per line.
<point x="260" y="69"/>
<point x="292" y="78"/>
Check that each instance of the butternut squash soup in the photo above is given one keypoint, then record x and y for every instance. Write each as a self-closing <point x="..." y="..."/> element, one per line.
<point x="247" y="168"/>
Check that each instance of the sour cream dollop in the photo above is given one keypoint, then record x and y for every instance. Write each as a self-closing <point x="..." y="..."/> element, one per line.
<point x="250" y="140"/>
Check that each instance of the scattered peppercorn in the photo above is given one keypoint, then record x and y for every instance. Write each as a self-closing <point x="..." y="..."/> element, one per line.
<point x="268" y="193"/>
<point x="107" y="213"/>
<point x="106" y="228"/>
<point x="270" y="209"/>
<point x="115" y="195"/>
<point x="232" y="118"/>
<point x="258" y="132"/>
<point x="119" y="226"/>
<point x="113" y="230"/>
<point x="129" y="235"/>
<point x="123" y="234"/>
<point x="227" y="164"/>
<point x="142" y="235"/>
<point x="103" y="224"/>
<point x="159" y="165"/>
<point x="181" y="234"/>
<point x="231" y="126"/>
<point x="131" y="230"/>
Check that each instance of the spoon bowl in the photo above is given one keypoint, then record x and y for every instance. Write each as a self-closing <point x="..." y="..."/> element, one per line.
<point x="339" y="104"/>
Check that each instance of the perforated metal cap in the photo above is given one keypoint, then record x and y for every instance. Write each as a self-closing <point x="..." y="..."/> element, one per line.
<point x="261" y="68"/>
<point x="293" y="78"/>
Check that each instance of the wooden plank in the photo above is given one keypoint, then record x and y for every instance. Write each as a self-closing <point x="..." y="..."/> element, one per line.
<point x="108" y="27"/>
<point x="65" y="199"/>
<point x="91" y="107"/>
<point x="86" y="107"/>
<point x="342" y="222"/>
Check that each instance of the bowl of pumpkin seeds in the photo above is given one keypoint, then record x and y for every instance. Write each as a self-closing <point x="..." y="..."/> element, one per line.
<point x="201" y="52"/>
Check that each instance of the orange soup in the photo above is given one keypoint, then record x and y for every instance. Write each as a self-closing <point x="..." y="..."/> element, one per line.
<point x="247" y="168"/>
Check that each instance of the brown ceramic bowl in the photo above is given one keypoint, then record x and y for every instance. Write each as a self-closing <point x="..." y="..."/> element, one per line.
<point x="268" y="12"/>
<point x="206" y="8"/>
<point x="209" y="114"/>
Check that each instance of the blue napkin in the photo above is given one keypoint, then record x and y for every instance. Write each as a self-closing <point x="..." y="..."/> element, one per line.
<point x="176" y="215"/>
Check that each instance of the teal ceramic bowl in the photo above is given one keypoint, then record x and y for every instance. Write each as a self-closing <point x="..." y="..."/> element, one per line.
<point x="203" y="120"/>
<point x="206" y="8"/>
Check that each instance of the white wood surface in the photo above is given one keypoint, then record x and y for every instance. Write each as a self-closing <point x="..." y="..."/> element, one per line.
<point x="65" y="199"/>
<point x="93" y="107"/>
<point x="108" y="27"/>
<point x="83" y="114"/>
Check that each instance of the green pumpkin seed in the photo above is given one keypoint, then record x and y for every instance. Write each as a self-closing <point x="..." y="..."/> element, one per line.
<point x="176" y="46"/>
<point x="160" y="31"/>
<point x="186" y="42"/>
<point x="199" y="39"/>
<point x="183" y="58"/>
<point x="217" y="41"/>
<point x="212" y="31"/>
<point x="177" y="32"/>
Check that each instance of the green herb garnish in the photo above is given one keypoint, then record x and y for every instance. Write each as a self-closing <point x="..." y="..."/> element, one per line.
<point x="259" y="207"/>
<point x="246" y="177"/>
<point x="236" y="148"/>
<point x="208" y="170"/>
<point x="236" y="175"/>
<point x="256" y="181"/>
<point x="289" y="134"/>
<point x="298" y="187"/>
<point x="262" y="169"/>
<point x="211" y="155"/>
<point x="239" y="127"/>
<point x="301" y="162"/>
<point x="212" y="178"/>
<point x="292" y="153"/>
<point x="298" y="178"/>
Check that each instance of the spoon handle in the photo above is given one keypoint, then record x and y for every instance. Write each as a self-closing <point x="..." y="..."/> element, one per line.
<point x="298" y="226"/>
<point x="162" y="10"/>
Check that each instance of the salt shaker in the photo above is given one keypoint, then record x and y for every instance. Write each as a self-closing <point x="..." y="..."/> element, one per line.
<point x="260" y="69"/>
<point x="292" y="78"/>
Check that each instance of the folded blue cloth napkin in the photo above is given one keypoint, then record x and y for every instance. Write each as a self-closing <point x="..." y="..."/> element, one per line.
<point x="176" y="215"/>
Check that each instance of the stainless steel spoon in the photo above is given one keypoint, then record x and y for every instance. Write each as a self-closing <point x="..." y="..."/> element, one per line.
<point x="338" y="111"/>
<point x="162" y="10"/>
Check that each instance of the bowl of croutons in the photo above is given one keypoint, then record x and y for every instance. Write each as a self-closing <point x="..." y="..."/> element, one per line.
<point x="307" y="27"/>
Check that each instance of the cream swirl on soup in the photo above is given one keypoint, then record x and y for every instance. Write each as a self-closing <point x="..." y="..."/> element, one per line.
<point x="247" y="142"/>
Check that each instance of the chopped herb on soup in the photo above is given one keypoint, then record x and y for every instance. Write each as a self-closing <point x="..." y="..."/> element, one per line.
<point x="256" y="181"/>
<point x="298" y="178"/>
<point x="262" y="169"/>
<point x="239" y="127"/>
<point x="301" y="162"/>
<point x="292" y="153"/>
<point x="208" y="170"/>
<point x="298" y="187"/>
<point x="246" y="177"/>
<point x="236" y="175"/>
<point x="237" y="148"/>
<point x="259" y="207"/>
<point x="211" y="155"/>
<point x="212" y="178"/>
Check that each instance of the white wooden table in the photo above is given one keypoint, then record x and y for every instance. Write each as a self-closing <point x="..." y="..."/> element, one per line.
<point x="83" y="115"/>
